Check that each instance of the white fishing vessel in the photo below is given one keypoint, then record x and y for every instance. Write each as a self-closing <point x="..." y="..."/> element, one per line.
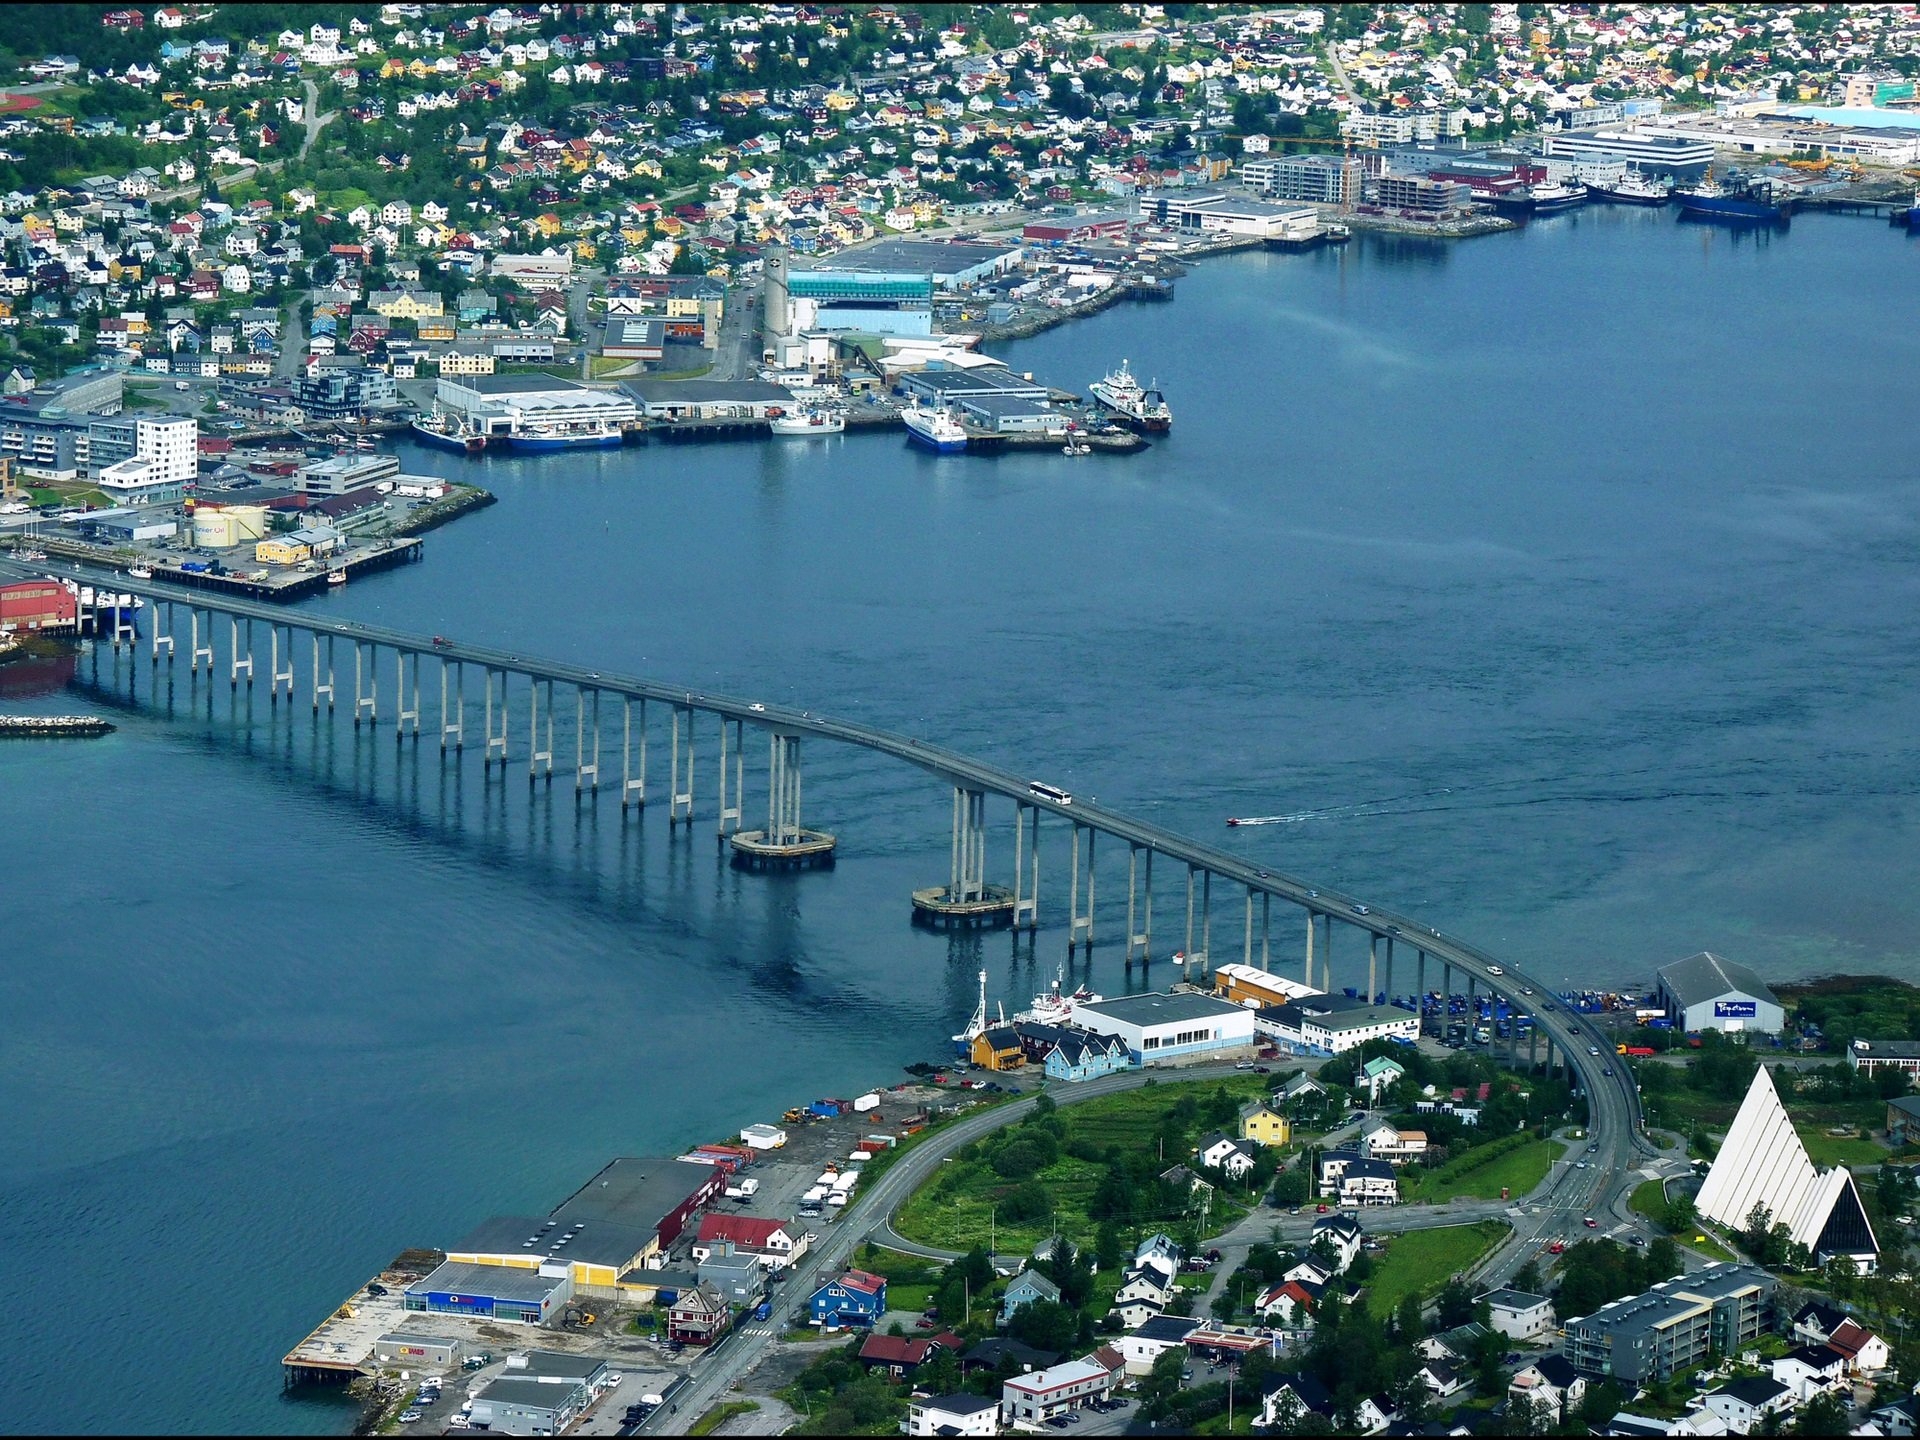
<point x="1053" y="1007"/>
<point x="810" y="421"/>
<point x="935" y="429"/>
<point x="1137" y="406"/>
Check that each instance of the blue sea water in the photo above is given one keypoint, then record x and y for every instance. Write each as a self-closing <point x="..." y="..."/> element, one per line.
<point x="1559" y="586"/>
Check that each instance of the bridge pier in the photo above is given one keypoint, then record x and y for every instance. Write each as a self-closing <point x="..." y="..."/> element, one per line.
<point x="496" y="741"/>
<point x="1420" y="975"/>
<point x="1373" y="965"/>
<point x="318" y="688"/>
<point x="585" y="770"/>
<point x="165" y="639"/>
<point x="123" y="629"/>
<point x="274" y="673"/>
<point x="1307" y="979"/>
<point x="1246" y="949"/>
<point x="1204" y="953"/>
<point x="785" y="844"/>
<point x="1139" y="937"/>
<point x="730" y="808"/>
<point x="536" y="753"/>
<point x="1079" y="923"/>
<point x="1026" y="866"/>
<point x="1266" y="929"/>
<point x="363" y="700"/>
<point x="1389" y="969"/>
<point x="402" y="714"/>
<point x="193" y="618"/>
<point x="966" y="901"/>
<point x="633" y="784"/>
<point x="235" y="660"/>
<point x="677" y="797"/>
<point x="1533" y="1045"/>
<point x="456" y="727"/>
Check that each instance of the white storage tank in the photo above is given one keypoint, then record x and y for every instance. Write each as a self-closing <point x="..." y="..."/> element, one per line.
<point x="866" y="1103"/>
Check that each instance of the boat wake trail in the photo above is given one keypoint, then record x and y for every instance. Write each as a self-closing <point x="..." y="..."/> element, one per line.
<point x="1341" y="812"/>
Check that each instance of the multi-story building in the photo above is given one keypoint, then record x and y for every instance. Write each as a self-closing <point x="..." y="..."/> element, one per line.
<point x="1872" y="1055"/>
<point x="1319" y="179"/>
<point x="141" y="461"/>
<point x="1419" y="196"/>
<point x="1677" y="1323"/>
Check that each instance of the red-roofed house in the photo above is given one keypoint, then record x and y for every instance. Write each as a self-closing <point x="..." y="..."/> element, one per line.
<point x="769" y="1241"/>
<point x="896" y="1354"/>
<point x="1865" y="1351"/>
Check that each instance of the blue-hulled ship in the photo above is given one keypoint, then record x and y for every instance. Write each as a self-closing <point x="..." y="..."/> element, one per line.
<point x="1737" y="200"/>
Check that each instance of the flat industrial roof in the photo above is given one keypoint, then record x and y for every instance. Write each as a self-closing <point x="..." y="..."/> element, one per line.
<point x="913" y="257"/>
<point x="519" y="384"/>
<point x="597" y="1242"/>
<point x="1159" y="1009"/>
<point x="635" y="1190"/>
<point x="713" y="392"/>
<point x="498" y="1282"/>
<point x="527" y="1394"/>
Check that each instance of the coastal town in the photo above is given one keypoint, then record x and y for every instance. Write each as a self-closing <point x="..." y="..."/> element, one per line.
<point x="281" y="287"/>
<point x="551" y="228"/>
<point x="1250" y="1208"/>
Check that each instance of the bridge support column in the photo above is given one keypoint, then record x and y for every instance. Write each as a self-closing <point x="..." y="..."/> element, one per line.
<point x="1080" y="923"/>
<point x="1140" y="935"/>
<point x="966" y="899"/>
<point x="585" y="770"/>
<point x="456" y="728"/>
<point x="367" y="674"/>
<point x="160" y="638"/>
<point x="537" y="754"/>
<point x="274" y="673"/>
<point x="235" y="661"/>
<point x="402" y="714"/>
<point x="633" y="783"/>
<point x="785" y="844"/>
<point x="193" y="617"/>
<point x="1026" y="866"/>
<point x="732" y="779"/>
<point x="1389" y="969"/>
<point x="1420" y="974"/>
<point x="123" y="629"/>
<point x="1246" y="949"/>
<point x="1266" y="929"/>
<point x="320" y="689"/>
<point x="1307" y="979"/>
<point x="676" y="796"/>
<point x="496" y="743"/>
<point x="1373" y="966"/>
<point x="1533" y="1045"/>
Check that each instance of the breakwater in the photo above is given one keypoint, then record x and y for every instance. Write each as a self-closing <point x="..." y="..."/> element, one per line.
<point x="43" y="727"/>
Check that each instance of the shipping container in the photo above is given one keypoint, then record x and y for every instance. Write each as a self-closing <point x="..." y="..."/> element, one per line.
<point x="865" y="1103"/>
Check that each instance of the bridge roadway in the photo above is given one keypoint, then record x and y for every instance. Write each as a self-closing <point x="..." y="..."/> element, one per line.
<point x="1617" y="1102"/>
<point x="1614" y="1103"/>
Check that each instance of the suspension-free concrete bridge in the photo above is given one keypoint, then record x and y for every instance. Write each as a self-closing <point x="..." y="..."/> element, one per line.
<point x="514" y="696"/>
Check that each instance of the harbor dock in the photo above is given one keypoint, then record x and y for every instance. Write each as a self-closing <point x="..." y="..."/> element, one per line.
<point x="341" y="1347"/>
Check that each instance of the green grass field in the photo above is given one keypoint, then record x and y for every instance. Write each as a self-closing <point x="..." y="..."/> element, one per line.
<point x="956" y="1208"/>
<point x="1649" y="1199"/>
<point x="1421" y="1261"/>
<point x="1825" y="1150"/>
<point x="1518" y="1171"/>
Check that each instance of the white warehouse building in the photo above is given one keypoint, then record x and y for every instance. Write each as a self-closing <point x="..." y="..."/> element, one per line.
<point x="1707" y="992"/>
<point x="1162" y="1026"/>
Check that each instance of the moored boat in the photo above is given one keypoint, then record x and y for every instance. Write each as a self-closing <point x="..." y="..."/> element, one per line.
<point x="1632" y="189"/>
<point x="1137" y="406"/>
<point x="1738" y="199"/>
<point x="582" y="435"/>
<point x="447" y="432"/>
<point x="809" y="421"/>
<point x="336" y="577"/>
<point x="935" y="429"/>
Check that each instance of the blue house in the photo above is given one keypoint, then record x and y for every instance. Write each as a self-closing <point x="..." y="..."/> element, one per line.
<point x="1024" y="1289"/>
<point x="856" y="1299"/>
<point x="1082" y="1057"/>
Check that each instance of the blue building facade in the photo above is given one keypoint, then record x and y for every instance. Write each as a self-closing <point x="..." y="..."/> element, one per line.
<point x="855" y="1299"/>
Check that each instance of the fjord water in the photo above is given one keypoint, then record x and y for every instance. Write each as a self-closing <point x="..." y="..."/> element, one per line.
<point x="1558" y="588"/>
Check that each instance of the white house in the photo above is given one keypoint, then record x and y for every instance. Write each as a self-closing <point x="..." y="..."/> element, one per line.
<point x="1811" y="1370"/>
<point x="1152" y="1340"/>
<point x="1744" y="1404"/>
<point x="1518" y="1315"/>
<point x="954" y="1415"/>
<point x="1343" y="1233"/>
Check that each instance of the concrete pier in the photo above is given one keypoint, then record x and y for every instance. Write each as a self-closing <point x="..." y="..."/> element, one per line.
<point x="785" y="844"/>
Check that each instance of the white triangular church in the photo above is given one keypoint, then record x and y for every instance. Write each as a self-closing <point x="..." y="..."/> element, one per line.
<point x="1763" y="1162"/>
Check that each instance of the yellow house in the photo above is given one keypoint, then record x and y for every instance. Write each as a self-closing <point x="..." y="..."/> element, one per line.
<point x="997" y="1049"/>
<point x="407" y="304"/>
<point x="436" y="327"/>
<point x="466" y="362"/>
<point x="1262" y="1124"/>
<point x="548" y="224"/>
<point x="585" y="250"/>
<point x="282" y="550"/>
